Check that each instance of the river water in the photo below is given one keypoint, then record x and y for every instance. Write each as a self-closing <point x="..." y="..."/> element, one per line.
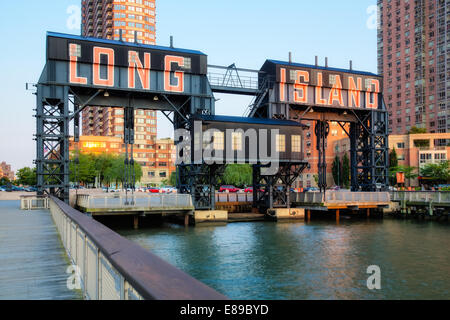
<point x="317" y="260"/>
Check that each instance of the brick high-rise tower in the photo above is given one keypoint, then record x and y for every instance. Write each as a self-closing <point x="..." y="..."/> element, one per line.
<point x="132" y="20"/>
<point x="105" y="18"/>
<point x="414" y="58"/>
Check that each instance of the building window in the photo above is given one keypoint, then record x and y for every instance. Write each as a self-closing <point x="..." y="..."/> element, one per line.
<point x="236" y="140"/>
<point x="219" y="140"/>
<point x="401" y="145"/>
<point x="296" y="144"/>
<point x="281" y="143"/>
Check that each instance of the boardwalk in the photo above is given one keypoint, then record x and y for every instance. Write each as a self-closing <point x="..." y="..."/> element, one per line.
<point x="32" y="260"/>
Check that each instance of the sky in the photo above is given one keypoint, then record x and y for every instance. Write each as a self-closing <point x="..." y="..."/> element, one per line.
<point x="234" y="31"/>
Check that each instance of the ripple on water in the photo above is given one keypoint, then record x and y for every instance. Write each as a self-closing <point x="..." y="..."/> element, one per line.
<point x="309" y="261"/>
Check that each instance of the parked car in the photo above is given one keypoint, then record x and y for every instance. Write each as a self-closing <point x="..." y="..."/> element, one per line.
<point x="2" y="189"/>
<point x="228" y="189"/>
<point x="169" y="189"/>
<point x="250" y="190"/>
<point x="312" y="189"/>
<point x="335" y="188"/>
<point x="153" y="190"/>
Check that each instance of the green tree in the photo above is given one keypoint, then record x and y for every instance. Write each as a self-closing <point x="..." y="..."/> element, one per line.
<point x="239" y="175"/>
<point x="27" y="176"/>
<point x="4" y="181"/>
<point x="316" y="179"/>
<point x="336" y="170"/>
<point x="438" y="173"/>
<point x="102" y="163"/>
<point x="346" y="171"/>
<point x="116" y="172"/>
<point x="393" y="159"/>
<point x="393" y="165"/>
<point x="410" y="173"/>
<point x="173" y="179"/>
<point x="415" y="130"/>
<point x="82" y="168"/>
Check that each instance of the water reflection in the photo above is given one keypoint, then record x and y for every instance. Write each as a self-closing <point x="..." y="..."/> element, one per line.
<point x="318" y="260"/>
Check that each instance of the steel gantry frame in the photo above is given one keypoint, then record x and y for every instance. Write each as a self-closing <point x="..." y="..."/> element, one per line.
<point x="368" y="127"/>
<point x="52" y="140"/>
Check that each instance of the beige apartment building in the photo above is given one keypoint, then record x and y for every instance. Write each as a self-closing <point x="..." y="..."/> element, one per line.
<point x="417" y="150"/>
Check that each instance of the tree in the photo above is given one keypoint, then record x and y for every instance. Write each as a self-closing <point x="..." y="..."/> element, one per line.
<point x="410" y="173"/>
<point x="173" y="179"/>
<point x="116" y="172"/>
<point x="415" y="130"/>
<point x="393" y="159"/>
<point x="106" y="168"/>
<point x="438" y="173"/>
<point x="346" y="171"/>
<point x="82" y="169"/>
<point x="4" y="181"/>
<point x="27" y="176"/>
<point x="393" y="164"/>
<point x="337" y="171"/>
<point x="239" y="175"/>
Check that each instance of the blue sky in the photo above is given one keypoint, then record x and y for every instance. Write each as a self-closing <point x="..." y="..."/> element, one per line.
<point x="245" y="32"/>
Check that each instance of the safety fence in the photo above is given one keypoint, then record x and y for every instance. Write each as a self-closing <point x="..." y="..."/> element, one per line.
<point x="110" y="267"/>
<point x="341" y="197"/>
<point x="438" y="197"/>
<point x="234" y="197"/>
<point x="122" y="201"/>
<point x="33" y="202"/>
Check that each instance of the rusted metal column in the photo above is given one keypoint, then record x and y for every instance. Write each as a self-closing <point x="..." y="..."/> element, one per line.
<point x="337" y="215"/>
<point x="308" y="215"/>
<point x="368" y="213"/>
<point x="186" y="220"/>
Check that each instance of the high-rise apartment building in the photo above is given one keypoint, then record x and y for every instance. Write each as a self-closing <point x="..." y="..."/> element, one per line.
<point x="6" y="171"/>
<point x="414" y="59"/>
<point x="107" y="19"/>
<point x="129" y="20"/>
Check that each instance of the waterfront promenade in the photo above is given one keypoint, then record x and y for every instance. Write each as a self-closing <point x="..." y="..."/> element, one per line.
<point x="33" y="262"/>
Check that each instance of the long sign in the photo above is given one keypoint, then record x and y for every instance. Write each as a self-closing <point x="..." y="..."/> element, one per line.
<point x="321" y="87"/>
<point x="107" y="63"/>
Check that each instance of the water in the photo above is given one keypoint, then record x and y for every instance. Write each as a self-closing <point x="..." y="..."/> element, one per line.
<point x="318" y="260"/>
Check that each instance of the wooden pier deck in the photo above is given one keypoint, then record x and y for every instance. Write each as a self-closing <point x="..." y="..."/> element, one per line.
<point x="33" y="262"/>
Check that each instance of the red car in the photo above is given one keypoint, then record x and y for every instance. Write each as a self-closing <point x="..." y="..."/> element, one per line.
<point x="228" y="189"/>
<point x="153" y="190"/>
<point x="250" y="190"/>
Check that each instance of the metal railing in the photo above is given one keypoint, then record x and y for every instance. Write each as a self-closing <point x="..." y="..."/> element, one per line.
<point x="120" y="201"/>
<point x="234" y="197"/>
<point x="33" y="202"/>
<point x="232" y="81"/>
<point x="421" y="196"/>
<point x="111" y="267"/>
<point x="342" y="197"/>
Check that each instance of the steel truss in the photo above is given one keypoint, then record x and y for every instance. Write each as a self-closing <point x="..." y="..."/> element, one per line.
<point x="322" y="131"/>
<point x="273" y="191"/>
<point x="52" y="137"/>
<point x="199" y="181"/>
<point x="369" y="152"/>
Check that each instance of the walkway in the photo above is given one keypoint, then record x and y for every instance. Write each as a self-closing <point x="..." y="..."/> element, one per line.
<point x="33" y="262"/>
